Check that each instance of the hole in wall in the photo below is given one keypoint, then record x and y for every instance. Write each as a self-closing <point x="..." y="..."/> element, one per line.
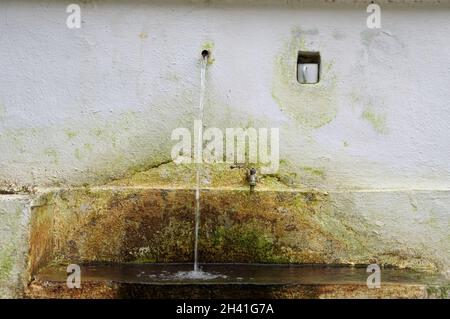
<point x="205" y="54"/>
<point x="308" y="67"/>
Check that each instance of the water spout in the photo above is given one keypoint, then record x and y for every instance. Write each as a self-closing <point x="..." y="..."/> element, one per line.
<point x="205" y="54"/>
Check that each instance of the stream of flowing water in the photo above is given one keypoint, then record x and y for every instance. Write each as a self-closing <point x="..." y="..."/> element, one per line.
<point x="197" y="273"/>
<point x="199" y="148"/>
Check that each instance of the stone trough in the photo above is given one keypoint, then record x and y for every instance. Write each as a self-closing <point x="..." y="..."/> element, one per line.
<point x="146" y="220"/>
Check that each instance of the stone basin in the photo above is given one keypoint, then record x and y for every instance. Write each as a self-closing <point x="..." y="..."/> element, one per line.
<point x="143" y="221"/>
<point x="235" y="281"/>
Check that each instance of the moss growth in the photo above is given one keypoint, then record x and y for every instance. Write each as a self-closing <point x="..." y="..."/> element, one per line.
<point x="218" y="175"/>
<point x="441" y="292"/>
<point x="88" y="147"/>
<point x="314" y="171"/>
<point x="77" y="154"/>
<point x="70" y="133"/>
<point x="378" y="121"/>
<point x="52" y="154"/>
<point x="141" y="224"/>
<point x="6" y="263"/>
<point x="246" y="243"/>
<point x="173" y="242"/>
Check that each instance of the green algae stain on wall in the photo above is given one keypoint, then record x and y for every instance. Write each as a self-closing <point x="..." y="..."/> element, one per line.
<point x="378" y="121"/>
<point x="311" y="105"/>
<point x="314" y="171"/>
<point x="71" y="134"/>
<point x="52" y="154"/>
<point x="6" y="263"/>
<point x="247" y="242"/>
<point x="371" y="110"/>
<point x="77" y="154"/>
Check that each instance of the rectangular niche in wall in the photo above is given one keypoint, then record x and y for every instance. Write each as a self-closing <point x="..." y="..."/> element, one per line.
<point x="308" y="67"/>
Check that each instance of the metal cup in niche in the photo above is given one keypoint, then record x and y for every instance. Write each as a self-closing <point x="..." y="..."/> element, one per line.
<point x="308" y="73"/>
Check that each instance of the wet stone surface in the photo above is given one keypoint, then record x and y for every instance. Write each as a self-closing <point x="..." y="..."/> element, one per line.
<point x="224" y="280"/>
<point x="239" y="273"/>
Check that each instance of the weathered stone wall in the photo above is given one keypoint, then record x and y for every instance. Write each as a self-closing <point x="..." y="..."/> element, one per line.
<point x="14" y="234"/>
<point x="141" y="224"/>
<point x="91" y="105"/>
